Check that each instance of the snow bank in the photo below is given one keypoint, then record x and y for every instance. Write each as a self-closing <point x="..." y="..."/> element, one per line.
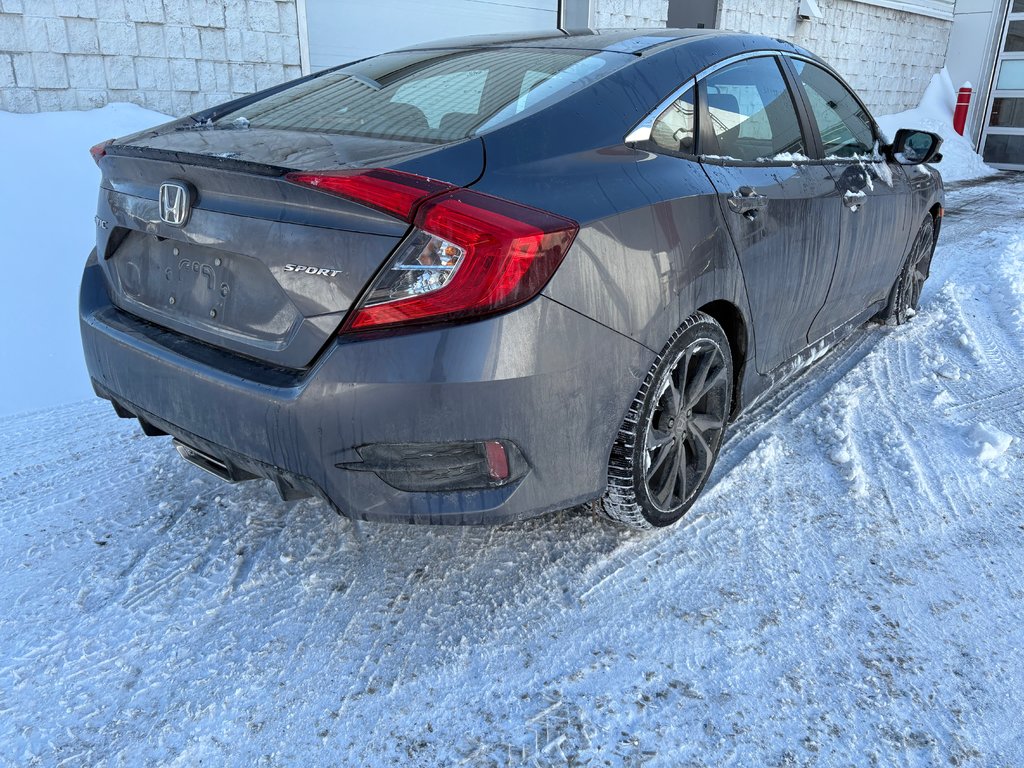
<point x="935" y="113"/>
<point x="49" y="191"/>
<point x="1012" y="272"/>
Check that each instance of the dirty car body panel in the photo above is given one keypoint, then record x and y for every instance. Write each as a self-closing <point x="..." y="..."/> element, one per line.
<point x="234" y="297"/>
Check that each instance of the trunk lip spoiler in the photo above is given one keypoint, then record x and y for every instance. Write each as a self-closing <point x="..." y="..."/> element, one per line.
<point x="197" y="159"/>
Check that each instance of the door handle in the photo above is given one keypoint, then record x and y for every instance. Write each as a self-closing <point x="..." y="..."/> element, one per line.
<point x="747" y="201"/>
<point x="854" y="200"/>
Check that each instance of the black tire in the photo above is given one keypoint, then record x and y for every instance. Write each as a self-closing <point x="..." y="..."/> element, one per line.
<point x="676" y="422"/>
<point x="906" y="293"/>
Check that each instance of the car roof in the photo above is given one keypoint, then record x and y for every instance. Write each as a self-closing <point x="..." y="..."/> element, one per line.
<point x="635" y="41"/>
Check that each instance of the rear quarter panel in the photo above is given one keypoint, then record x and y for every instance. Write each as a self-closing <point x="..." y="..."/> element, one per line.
<point x="644" y="270"/>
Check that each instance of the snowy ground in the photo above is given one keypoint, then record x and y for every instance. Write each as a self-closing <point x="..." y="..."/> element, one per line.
<point x="848" y="591"/>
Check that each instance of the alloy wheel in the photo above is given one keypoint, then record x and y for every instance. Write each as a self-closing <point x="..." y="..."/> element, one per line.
<point x="917" y="271"/>
<point x="686" y="425"/>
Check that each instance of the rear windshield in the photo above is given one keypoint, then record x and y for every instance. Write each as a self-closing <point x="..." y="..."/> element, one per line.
<point x="432" y="96"/>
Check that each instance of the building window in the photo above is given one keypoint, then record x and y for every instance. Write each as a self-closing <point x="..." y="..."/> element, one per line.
<point x="1015" y="37"/>
<point x="1007" y="113"/>
<point x="1004" y="149"/>
<point x="1011" y="76"/>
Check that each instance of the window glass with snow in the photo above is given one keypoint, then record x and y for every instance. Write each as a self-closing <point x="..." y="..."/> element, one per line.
<point x="844" y="125"/>
<point x="752" y="114"/>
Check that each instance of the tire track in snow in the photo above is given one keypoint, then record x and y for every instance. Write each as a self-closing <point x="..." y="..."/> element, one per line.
<point x="1009" y="400"/>
<point x="794" y="397"/>
<point x="981" y="388"/>
<point x="929" y="481"/>
<point x="92" y="598"/>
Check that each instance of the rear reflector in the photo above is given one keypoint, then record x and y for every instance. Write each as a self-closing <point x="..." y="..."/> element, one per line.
<point x="497" y="460"/>
<point x="438" y="467"/>
<point x="393" y="192"/>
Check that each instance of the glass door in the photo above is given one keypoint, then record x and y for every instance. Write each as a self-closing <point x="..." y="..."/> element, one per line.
<point x="1003" y="139"/>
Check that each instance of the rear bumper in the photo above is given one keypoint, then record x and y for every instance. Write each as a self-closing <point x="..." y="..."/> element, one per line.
<point x="543" y="377"/>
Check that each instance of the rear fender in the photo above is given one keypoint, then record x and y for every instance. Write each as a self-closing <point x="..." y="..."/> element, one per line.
<point x="644" y="270"/>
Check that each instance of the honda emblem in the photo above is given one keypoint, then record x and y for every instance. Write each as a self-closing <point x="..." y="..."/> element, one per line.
<point x="175" y="203"/>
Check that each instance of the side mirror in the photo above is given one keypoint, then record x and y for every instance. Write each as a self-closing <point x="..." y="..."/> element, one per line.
<point x="913" y="147"/>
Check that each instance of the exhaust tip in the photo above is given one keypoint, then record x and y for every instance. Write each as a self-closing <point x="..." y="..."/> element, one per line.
<point x="210" y="464"/>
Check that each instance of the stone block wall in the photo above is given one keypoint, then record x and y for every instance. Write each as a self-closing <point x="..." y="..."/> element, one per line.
<point x="888" y="56"/>
<point x="178" y="56"/>
<point x="611" y="14"/>
<point x="174" y="56"/>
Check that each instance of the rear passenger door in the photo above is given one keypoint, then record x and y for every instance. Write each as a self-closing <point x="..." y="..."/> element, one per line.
<point x="874" y="208"/>
<point x="782" y="210"/>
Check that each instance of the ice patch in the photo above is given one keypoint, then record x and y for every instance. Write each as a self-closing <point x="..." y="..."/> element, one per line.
<point x="854" y="199"/>
<point x="884" y="172"/>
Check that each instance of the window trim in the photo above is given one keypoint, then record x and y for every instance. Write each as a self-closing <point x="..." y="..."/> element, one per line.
<point x="803" y="107"/>
<point x="650" y="145"/>
<point x="641" y="132"/>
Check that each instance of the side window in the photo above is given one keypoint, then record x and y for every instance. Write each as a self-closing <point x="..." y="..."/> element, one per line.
<point x="752" y="113"/>
<point x="674" y="128"/>
<point x="844" y="125"/>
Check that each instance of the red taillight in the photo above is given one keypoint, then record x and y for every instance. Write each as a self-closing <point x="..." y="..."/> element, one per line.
<point x="100" y="150"/>
<point x="393" y="192"/>
<point x="469" y="254"/>
<point x="499" y="255"/>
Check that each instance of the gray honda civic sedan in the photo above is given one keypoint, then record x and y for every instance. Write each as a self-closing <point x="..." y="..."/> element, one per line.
<point x="487" y="278"/>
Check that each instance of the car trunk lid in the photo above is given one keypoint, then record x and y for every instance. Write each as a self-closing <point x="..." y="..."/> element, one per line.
<point x="261" y="266"/>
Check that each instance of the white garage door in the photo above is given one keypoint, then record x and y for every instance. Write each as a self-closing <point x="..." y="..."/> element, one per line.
<point x="339" y="31"/>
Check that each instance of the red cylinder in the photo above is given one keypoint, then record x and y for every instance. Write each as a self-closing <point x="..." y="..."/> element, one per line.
<point x="963" y="103"/>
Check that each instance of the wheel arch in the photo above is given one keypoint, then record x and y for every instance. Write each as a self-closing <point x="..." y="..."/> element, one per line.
<point x="729" y="316"/>
<point x="937" y="212"/>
